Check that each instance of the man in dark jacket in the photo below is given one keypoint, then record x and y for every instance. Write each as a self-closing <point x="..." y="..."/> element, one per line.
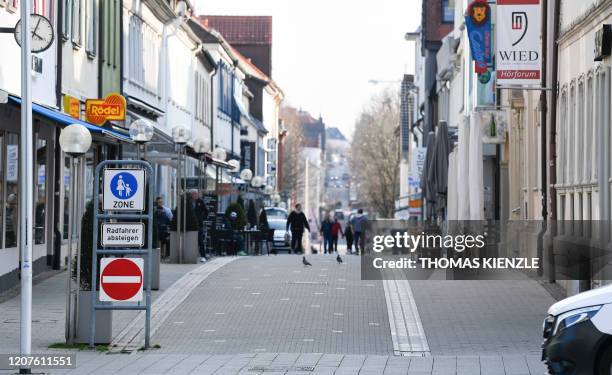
<point x="201" y="212"/>
<point x="297" y="221"/>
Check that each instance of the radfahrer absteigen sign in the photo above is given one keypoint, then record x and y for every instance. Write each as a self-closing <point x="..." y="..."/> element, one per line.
<point x="518" y="58"/>
<point x="123" y="189"/>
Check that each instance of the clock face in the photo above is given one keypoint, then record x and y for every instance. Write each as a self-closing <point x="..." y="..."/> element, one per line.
<point x="41" y="33"/>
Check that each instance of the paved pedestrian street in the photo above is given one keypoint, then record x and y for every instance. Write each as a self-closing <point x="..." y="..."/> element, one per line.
<point x="271" y="314"/>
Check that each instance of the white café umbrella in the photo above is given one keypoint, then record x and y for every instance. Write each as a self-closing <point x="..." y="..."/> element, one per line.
<point x="463" y="146"/>
<point x="475" y="182"/>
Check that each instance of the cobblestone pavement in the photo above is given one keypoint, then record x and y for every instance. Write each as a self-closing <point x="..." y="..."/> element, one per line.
<point x="270" y="314"/>
<point x="275" y="304"/>
<point x="301" y="364"/>
<point x="48" y="311"/>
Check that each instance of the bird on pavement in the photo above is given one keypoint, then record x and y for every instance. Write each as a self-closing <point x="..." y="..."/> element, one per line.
<point x="306" y="263"/>
<point x="338" y="259"/>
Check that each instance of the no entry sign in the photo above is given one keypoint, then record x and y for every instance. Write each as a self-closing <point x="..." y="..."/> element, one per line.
<point x="121" y="279"/>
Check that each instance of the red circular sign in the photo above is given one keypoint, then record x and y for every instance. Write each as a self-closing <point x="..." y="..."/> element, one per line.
<point x="121" y="279"/>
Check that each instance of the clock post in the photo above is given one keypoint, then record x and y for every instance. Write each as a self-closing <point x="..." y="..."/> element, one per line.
<point x="26" y="204"/>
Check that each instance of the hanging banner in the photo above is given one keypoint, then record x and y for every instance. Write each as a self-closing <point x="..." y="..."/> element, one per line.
<point x="518" y="56"/>
<point x="478" y="23"/>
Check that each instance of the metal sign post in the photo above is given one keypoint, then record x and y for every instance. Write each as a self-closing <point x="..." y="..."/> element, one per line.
<point x="125" y="191"/>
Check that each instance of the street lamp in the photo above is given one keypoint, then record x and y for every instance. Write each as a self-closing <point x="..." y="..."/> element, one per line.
<point x="246" y="175"/>
<point x="200" y="147"/>
<point x="257" y="181"/>
<point x="235" y="164"/>
<point x="75" y="141"/>
<point x="180" y="135"/>
<point x="141" y="132"/>
<point x="219" y="153"/>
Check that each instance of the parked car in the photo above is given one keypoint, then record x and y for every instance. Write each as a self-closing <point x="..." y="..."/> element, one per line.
<point x="276" y="213"/>
<point x="282" y="237"/>
<point x="578" y="334"/>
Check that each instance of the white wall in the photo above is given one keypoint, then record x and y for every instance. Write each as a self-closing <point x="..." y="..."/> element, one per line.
<point x="43" y="85"/>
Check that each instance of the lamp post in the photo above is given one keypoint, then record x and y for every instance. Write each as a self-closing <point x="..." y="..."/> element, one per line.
<point x="235" y="168"/>
<point x="141" y="132"/>
<point x="75" y="141"/>
<point x="180" y="135"/>
<point x="246" y="175"/>
<point x="200" y="147"/>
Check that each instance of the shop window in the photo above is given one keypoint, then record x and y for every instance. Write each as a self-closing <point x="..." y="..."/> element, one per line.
<point x="40" y="194"/>
<point x="67" y="202"/>
<point x="448" y="11"/>
<point x="11" y="217"/>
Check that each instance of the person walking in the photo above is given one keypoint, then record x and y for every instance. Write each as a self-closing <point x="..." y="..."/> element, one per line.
<point x="358" y="223"/>
<point x="336" y="230"/>
<point x="297" y="222"/>
<point x="163" y="218"/>
<point x="201" y="212"/>
<point x="348" y="235"/>
<point x="326" y="232"/>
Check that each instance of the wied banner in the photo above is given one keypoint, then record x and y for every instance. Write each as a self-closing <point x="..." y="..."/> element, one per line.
<point x="518" y="45"/>
<point x="487" y="250"/>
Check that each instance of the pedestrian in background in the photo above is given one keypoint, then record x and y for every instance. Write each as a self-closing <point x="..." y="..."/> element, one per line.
<point x="297" y="222"/>
<point x="358" y="223"/>
<point x="326" y="232"/>
<point x="336" y="230"/>
<point x="201" y="212"/>
<point x="348" y="234"/>
<point x="163" y="218"/>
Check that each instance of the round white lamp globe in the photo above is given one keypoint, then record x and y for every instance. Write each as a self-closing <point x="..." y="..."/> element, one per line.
<point x="246" y="175"/>
<point x="180" y="134"/>
<point x="75" y="139"/>
<point x="141" y="130"/>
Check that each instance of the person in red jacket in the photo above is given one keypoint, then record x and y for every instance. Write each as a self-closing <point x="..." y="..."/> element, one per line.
<point x="336" y="229"/>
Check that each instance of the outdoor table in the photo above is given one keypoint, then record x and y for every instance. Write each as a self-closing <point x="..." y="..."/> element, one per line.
<point x="247" y="233"/>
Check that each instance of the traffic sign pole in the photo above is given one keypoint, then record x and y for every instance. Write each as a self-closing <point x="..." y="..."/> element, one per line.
<point x="130" y="193"/>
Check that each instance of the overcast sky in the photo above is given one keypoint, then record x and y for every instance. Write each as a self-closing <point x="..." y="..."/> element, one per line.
<point x="326" y="51"/>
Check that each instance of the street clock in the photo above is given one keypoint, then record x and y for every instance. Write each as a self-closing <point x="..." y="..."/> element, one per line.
<point x="41" y="31"/>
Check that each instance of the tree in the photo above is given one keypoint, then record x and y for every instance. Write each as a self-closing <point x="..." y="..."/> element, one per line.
<point x="374" y="154"/>
<point x="292" y="162"/>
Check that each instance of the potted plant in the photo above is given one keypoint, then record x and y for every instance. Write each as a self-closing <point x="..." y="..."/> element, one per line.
<point x="104" y="318"/>
<point x="191" y="250"/>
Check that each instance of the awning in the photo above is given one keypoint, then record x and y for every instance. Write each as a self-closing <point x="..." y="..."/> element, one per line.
<point x="64" y="119"/>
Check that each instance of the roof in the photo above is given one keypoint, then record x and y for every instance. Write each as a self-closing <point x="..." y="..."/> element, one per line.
<point x="335" y="133"/>
<point x="241" y="29"/>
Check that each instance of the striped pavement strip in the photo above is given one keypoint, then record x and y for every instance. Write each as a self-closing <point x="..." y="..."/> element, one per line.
<point x="131" y="338"/>
<point x="407" y="331"/>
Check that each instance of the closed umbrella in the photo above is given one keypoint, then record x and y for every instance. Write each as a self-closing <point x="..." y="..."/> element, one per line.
<point x="463" y="147"/>
<point x="475" y="180"/>
<point x="442" y="149"/>
<point x="427" y="181"/>
<point x="451" y="198"/>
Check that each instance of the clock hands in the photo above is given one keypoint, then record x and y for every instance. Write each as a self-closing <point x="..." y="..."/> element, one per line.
<point x="36" y="28"/>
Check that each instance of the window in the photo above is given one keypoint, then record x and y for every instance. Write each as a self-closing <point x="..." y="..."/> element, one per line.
<point x="580" y="135"/>
<point x="76" y="11"/>
<point x="11" y="222"/>
<point x="67" y="202"/>
<point x="561" y="139"/>
<point x="590" y="136"/>
<point x="202" y="95"/>
<point x="44" y="7"/>
<point x="67" y="20"/>
<point x="40" y="194"/>
<point x="226" y="91"/>
<point x="92" y="28"/>
<point x="448" y="11"/>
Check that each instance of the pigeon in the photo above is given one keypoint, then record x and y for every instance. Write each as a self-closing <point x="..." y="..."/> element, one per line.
<point x="306" y="263"/>
<point x="338" y="259"/>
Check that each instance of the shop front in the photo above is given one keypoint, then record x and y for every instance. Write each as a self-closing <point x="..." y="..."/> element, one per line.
<point x="52" y="195"/>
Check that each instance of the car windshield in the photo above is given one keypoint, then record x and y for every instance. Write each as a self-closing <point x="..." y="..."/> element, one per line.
<point x="277" y="224"/>
<point x="276" y="212"/>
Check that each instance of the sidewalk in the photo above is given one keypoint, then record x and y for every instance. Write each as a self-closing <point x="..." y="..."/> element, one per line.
<point x="49" y="307"/>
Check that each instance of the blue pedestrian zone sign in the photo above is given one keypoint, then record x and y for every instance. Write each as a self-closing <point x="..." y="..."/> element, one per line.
<point x="123" y="189"/>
